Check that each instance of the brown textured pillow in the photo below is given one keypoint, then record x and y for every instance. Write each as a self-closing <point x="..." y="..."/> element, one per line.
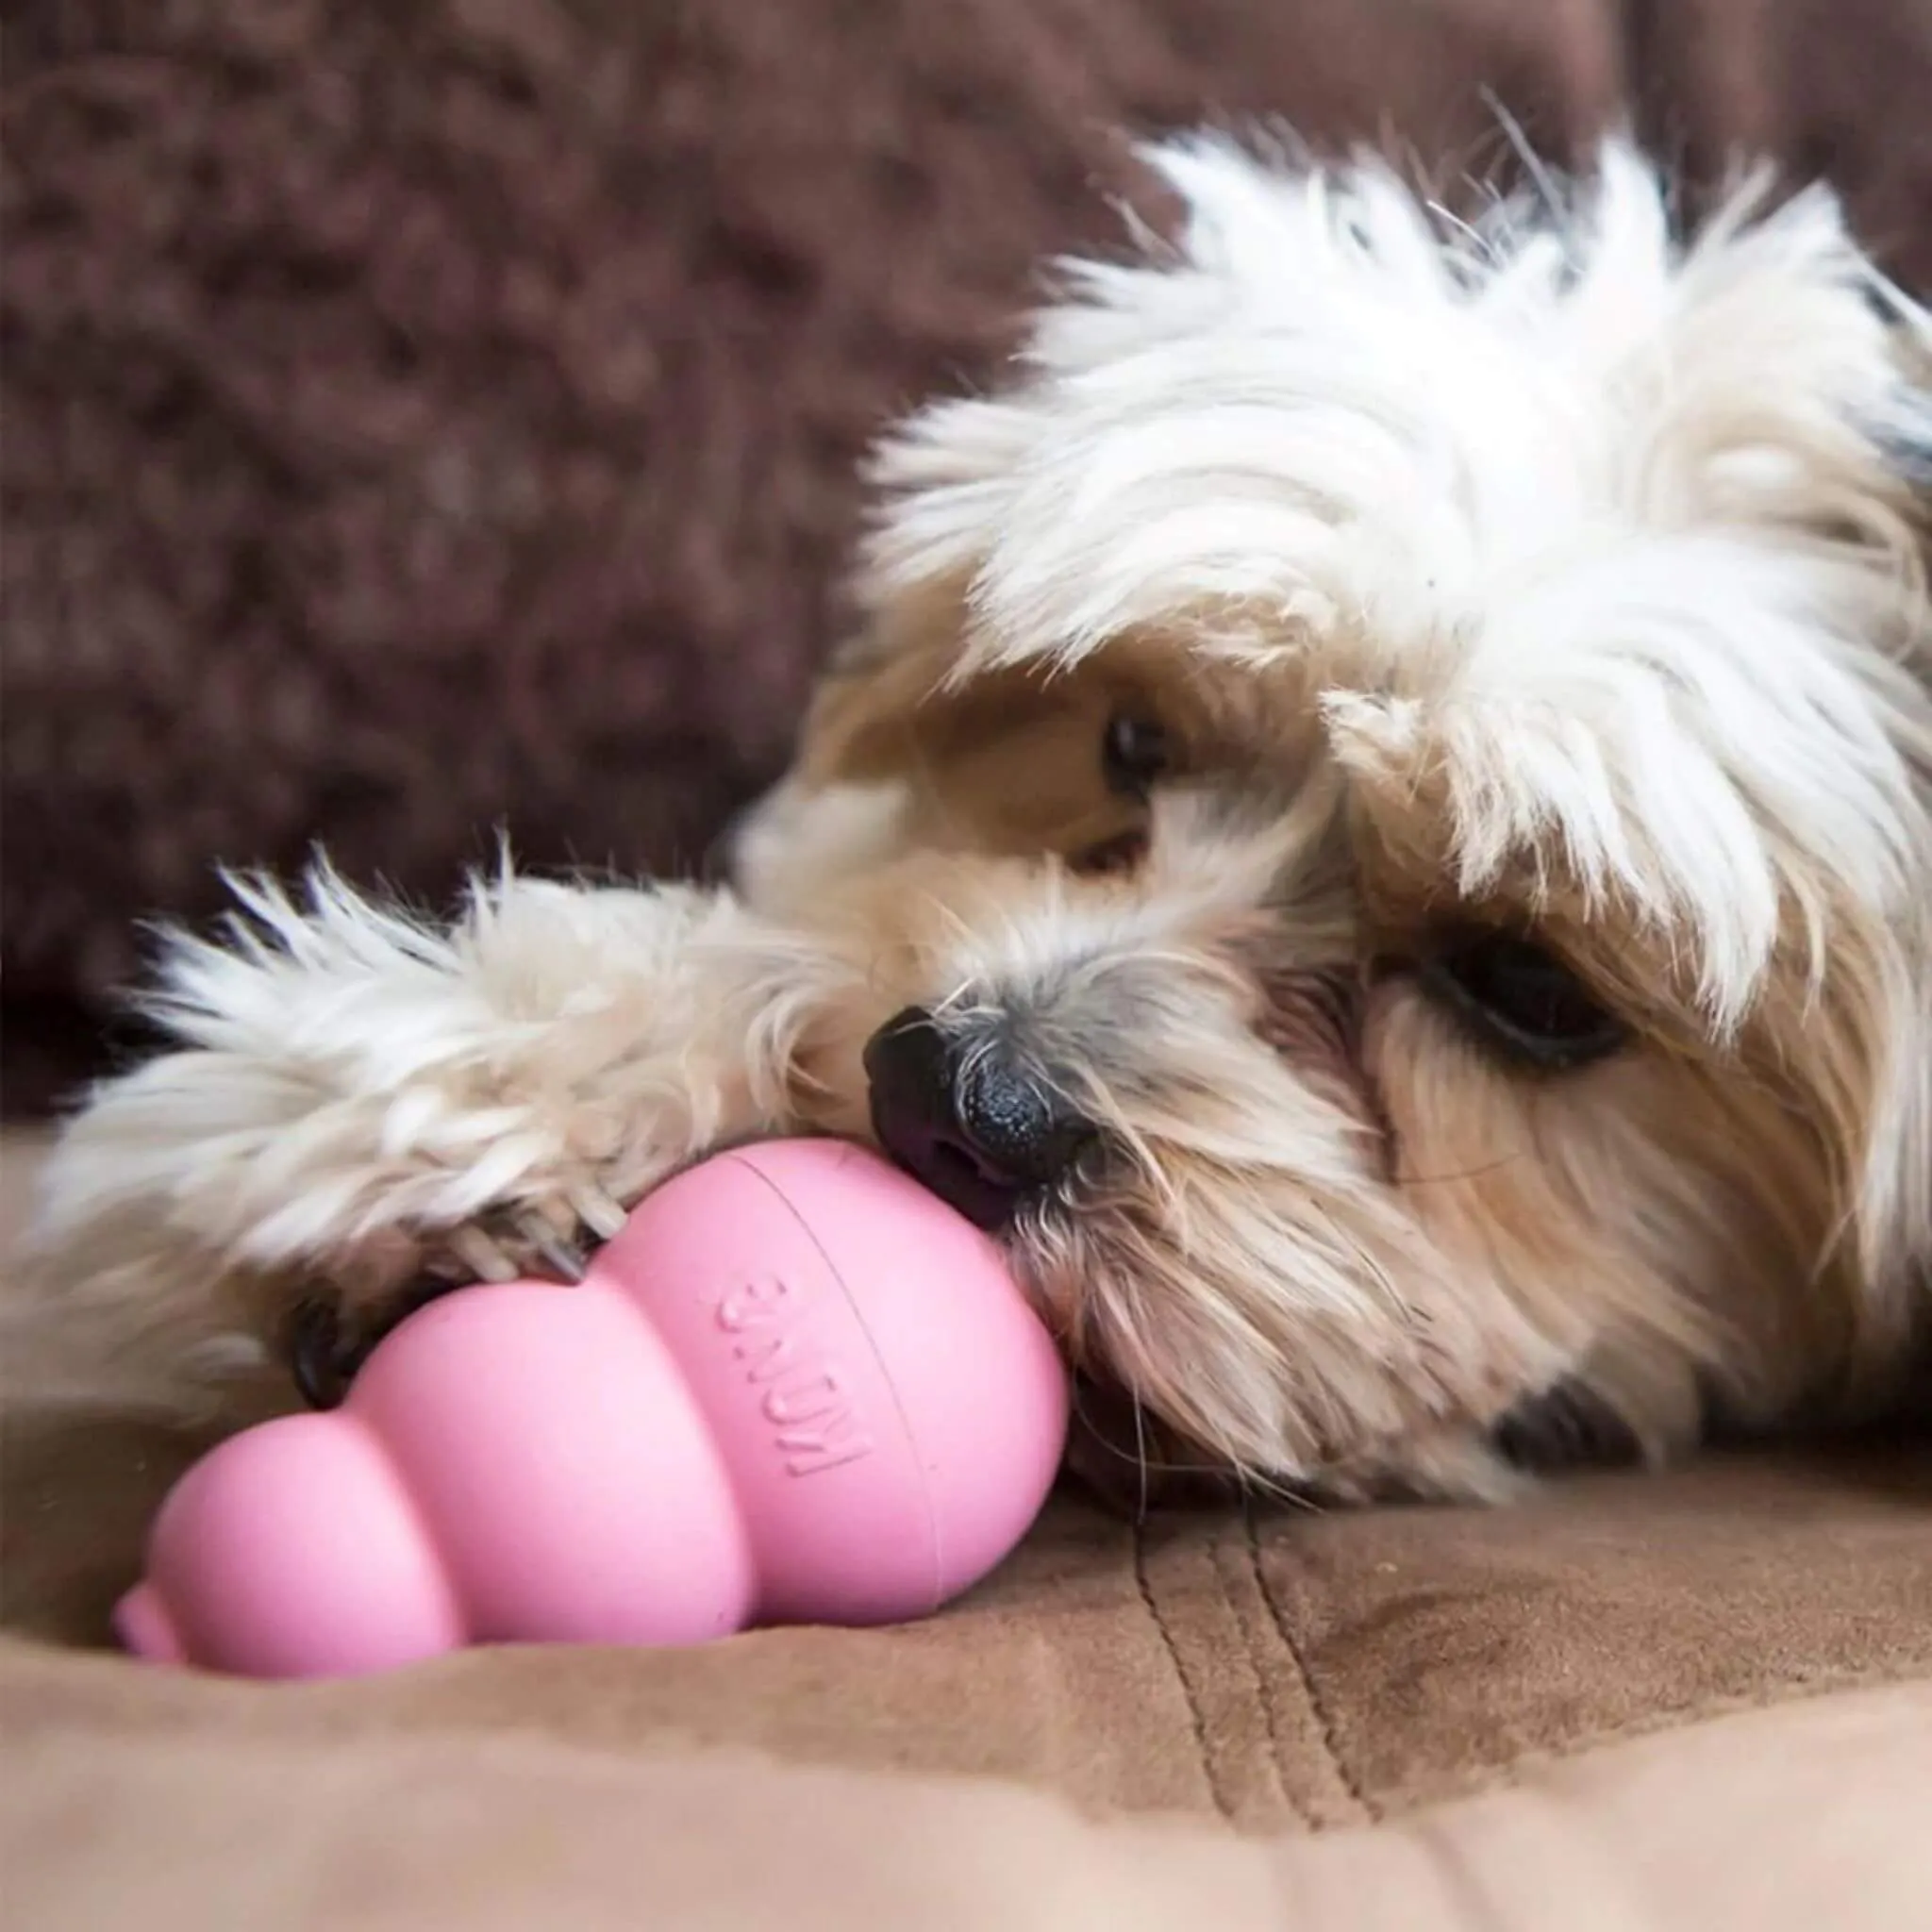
<point x="425" y="420"/>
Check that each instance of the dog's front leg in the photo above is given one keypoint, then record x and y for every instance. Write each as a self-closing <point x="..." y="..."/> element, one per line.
<point x="354" y="1099"/>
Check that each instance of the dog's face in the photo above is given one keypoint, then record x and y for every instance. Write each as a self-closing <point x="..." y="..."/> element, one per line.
<point x="1382" y="823"/>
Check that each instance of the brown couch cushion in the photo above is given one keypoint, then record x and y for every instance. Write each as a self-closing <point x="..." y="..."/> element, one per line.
<point x="1785" y="1821"/>
<point x="1278" y="1672"/>
<point x="1257" y="1676"/>
<point x="1273" y="1672"/>
<point x="422" y="418"/>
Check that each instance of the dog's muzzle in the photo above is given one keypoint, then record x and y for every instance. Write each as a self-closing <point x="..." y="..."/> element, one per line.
<point x="967" y="1119"/>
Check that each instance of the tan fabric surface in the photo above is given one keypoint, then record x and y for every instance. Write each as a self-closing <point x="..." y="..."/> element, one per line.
<point x="1783" y="1822"/>
<point x="1316" y="1673"/>
<point x="1278" y="1672"/>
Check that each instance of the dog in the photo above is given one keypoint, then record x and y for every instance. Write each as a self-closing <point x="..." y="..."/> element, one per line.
<point x="1376" y="831"/>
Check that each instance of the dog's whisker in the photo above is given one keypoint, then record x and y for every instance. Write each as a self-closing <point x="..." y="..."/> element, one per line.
<point x="1140" y="1454"/>
<point x="1460" y="1174"/>
<point x="1145" y="1468"/>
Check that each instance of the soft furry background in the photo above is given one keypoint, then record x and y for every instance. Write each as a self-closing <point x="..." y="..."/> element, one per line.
<point x="422" y="415"/>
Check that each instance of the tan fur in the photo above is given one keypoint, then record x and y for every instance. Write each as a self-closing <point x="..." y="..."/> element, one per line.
<point x="1559" y="580"/>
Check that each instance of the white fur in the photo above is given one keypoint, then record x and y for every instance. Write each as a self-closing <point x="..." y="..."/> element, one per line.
<point x="1537" y="490"/>
<point x="357" y="1090"/>
<point x="797" y="842"/>
<point x="1546" y="498"/>
<point x="1592" y="536"/>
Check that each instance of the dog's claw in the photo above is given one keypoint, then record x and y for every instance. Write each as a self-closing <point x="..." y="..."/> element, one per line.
<point x="326" y="1349"/>
<point x="549" y="1238"/>
<point x="597" y="1211"/>
<point x="563" y="1257"/>
<point x="482" y="1254"/>
<point x="318" y="1357"/>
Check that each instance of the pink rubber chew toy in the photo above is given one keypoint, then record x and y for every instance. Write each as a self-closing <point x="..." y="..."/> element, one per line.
<point x="794" y="1388"/>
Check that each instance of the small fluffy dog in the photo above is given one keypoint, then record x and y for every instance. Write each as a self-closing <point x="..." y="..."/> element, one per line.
<point x="1378" y="832"/>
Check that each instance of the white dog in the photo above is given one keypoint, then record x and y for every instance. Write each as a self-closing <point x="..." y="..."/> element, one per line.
<point x="1379" y="831"/>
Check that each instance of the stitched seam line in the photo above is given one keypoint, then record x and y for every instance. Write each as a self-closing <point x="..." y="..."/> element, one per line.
<point x="1271" y="1706"/>
<point x="1195" y="1717"/>
<point x="1318" y="1703"/>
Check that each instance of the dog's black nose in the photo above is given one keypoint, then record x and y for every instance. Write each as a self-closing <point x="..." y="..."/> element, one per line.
<point x="970" y="1121"/>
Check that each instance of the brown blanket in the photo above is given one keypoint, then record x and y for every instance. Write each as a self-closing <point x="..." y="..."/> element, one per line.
<point x="422" y="417"/>
<point x="1780" y="1822"/>
<point x="1687" y="1695"/>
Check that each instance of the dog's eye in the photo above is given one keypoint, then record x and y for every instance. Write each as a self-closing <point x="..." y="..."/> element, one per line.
<point x="1524" y="1000"/>
<point x="1134" y="753"/>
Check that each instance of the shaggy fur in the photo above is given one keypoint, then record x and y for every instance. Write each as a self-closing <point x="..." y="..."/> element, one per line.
<point x="1548" y="578"/>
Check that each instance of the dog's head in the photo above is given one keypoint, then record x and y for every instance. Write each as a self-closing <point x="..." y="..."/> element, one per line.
<point x="1383" y="816"/>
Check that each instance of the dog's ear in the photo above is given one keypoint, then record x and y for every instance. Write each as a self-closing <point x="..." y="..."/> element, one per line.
<point x="1879" y="1040"/>
<point x="1907" y="439"/>
<point x="1902" y="440"/>
<point x="1909" y="451"/>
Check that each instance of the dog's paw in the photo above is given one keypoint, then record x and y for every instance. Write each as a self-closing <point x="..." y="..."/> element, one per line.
<point x="356" y="1106"/>
<point x="328" y="1335"/>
